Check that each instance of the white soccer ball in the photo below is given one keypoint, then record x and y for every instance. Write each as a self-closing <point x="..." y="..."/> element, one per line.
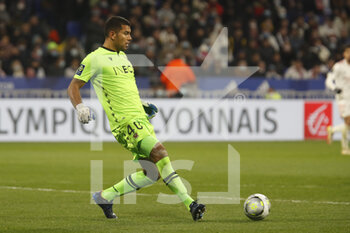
<point x="257" y="206"/>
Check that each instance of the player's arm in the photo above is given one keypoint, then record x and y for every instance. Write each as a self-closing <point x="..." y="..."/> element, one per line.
<point x="74" y="91"/>
<point x="84" y="113"/>
<point x="82" y="76"/>
<point x="330" y="80"/>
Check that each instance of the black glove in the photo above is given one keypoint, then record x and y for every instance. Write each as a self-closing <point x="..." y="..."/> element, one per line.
<point x="338" y="90"/>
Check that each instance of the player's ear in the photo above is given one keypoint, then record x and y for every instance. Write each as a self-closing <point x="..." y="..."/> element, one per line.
<point x="112" y="35"/>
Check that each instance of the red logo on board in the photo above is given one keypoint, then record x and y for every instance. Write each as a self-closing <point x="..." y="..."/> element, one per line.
<point x="317" y="116"/>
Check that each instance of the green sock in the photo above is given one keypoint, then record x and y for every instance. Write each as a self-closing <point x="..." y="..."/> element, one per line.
<point x="129" y="184"/>
<point x="173" y="181"/>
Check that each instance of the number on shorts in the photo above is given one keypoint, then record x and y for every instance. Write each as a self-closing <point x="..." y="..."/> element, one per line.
<point x="138" y="126"/>
<point x="130" y="130"/>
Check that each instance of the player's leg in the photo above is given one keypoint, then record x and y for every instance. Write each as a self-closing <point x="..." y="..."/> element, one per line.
<point x="160" y="157"/>
<point x="343" y="109"/>
<point x="106" y="206"/>
<point x="333" y="129"/>
<point x="129" y="184"/>
<point x="344" y="140"/>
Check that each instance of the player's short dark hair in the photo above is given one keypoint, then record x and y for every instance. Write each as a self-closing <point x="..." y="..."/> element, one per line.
<point x="115" y="23"/>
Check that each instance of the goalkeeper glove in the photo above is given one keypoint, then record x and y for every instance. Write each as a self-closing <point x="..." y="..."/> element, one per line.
<point x="337" y="90"/>
<point x="84" y="113"/>
<point x="150" y="109"/>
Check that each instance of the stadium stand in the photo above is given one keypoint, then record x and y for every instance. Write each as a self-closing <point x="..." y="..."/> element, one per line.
<point x="294" y="43"/>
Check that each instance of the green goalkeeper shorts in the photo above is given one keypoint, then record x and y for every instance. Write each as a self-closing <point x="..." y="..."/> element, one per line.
<point x="137" y="136"/>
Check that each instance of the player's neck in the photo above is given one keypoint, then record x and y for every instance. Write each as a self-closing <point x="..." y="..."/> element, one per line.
<point x="108" y="45"/>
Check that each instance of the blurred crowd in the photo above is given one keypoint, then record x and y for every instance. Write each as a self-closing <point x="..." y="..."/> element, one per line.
<point x="291" y="39"/>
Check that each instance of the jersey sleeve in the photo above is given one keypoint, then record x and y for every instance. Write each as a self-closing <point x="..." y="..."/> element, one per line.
<point x="330" y="81"/>
<point x="86" y="70"/>
<point x="331" y="77"/>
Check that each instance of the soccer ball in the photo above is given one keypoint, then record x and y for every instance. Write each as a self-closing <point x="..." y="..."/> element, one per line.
<point x="257" y="206"/>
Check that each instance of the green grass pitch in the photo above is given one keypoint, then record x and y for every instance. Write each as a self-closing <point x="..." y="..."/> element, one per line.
<point x="308" y="184"/>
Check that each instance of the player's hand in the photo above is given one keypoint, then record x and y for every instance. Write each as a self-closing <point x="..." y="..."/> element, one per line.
<point x="150" y="109"/>
<point x="338" y="90"/>
<point x="84" y="113"/>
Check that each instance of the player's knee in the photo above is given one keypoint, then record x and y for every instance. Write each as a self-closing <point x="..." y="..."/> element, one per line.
<point x="347" y="121"/>
<point x="153" y="176"/>
<point x="158" y="152"/>
<point x="150" y="169"/>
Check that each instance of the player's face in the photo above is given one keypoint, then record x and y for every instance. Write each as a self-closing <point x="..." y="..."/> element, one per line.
<point x="347" y="55"/>
<point x="123" y="38"/>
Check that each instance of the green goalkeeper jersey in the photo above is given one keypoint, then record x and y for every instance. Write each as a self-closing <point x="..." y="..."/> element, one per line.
<point x="113" y="79"/>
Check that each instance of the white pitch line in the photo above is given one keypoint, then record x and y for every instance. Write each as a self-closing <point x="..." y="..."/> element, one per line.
<point x="314" y="202"/>
<point x="150" y="195"/>
<point x="42" y="189"/>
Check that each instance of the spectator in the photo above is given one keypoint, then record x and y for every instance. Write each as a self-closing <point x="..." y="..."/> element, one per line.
<point x="4" y="15"/>
<point x="255" y="59"/>
<point x="38" y="28"/>
<point x="278" y="64"/>
<point x="242" y="70"/>
<point x="261" y="71"/>
<point x="168" y="38"/>
<point x="253" y="33"/>
<point x="202" y="52"/>
<point x="7" y="52"/>
<point x="150" y="21"/>
<point x="296" y="71"/>
<point x="300" y="26"/>
<point x="322" y="52"/>
<point x="166" y="15"/>
<point x="215" y="7"/>
<point x="27" y="28"/>
<point x="2" y="72"/>
<point x="328" y="29"/>
<point x="287" y="53"/>
<point x="239" y="41"/>
<point x="267" y="28"/>
<point x="251" y="49"/>
<point x="35" y="70"/>
<point x="17" y="69"/>
<point x="72" y="50"/>
<point x="176" y="75"/>
<point x="272" y="94"/>
<point x="266" y="51"/>
<point x="50" y="56"/>
<point x="69" y="72"/>
<point x="56" y="69"/>
<point x="272" y="72"/>
<point x="315" y="72"/>
<point x="341" y="21"/>
<point x="94" y="33"/>
<point x="282" y="36"/>
<point x="343" y="40"/>
<point x="37" y="53"/>
<point x="296" y="41"/>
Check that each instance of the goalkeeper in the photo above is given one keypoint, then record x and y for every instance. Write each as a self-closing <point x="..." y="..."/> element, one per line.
<point x="112" y="76"/>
